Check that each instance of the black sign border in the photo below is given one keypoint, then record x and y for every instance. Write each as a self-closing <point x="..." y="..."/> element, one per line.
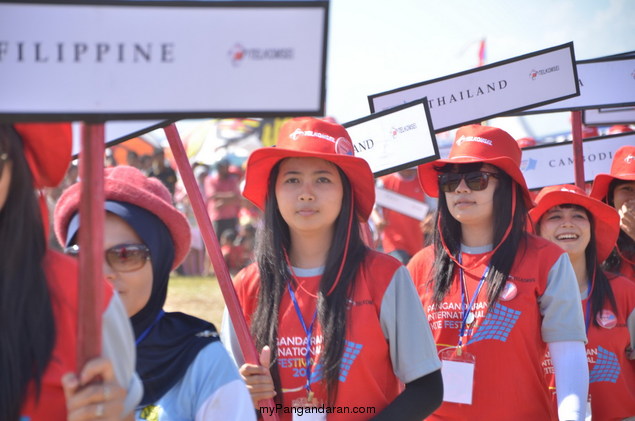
<point x="570" y="142"/>
<point x="424" y="102"/>
<point x="604" y="123"/>
<point x="103" y="117"/>
<point x="617" y="57"/>
<point x="486" y="67"/>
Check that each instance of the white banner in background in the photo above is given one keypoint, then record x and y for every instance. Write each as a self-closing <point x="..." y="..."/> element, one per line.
<point x="606" y="116"/>
<point x="395" y="139"/>
<point x="161" y="60"/>
<point x="499" y="88"/>
<point x="606" y="83"/>
<point x="400" y="203"/>
<point x="553" y="164"/>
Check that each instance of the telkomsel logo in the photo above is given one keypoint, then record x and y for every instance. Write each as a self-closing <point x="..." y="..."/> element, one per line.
<point x="535" y="73"/>
<point x="239" y="54"/>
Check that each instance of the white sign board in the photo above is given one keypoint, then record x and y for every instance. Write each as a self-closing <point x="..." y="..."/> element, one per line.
<point x="400" y="203"/>
<point x="395" y="139"/>
<point x="161" y="60"/>
<point x="606" y="116"/>
<point x="603" y="83"/>
<point x="478" y="94"/>
<point x="553" y="164"/>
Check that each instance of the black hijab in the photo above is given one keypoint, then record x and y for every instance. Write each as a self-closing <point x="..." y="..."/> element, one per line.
<point x="167" y="343"/>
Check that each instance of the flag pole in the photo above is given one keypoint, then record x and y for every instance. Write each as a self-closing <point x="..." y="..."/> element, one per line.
<point x="243" y="335"/>
<point x="578" y="154"/>
<point x="91" y="240"/>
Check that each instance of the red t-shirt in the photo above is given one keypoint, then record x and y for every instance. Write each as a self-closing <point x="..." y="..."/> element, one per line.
<point x="367" y="375"/>
<point x="222" y="209"/>
<point x="506" y="340"/>
<point x="62" y="280"/>
<point x="611" y="373"/>
<point x="402" y="232"/>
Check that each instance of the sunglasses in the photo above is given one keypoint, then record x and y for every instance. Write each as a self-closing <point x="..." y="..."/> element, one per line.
<point x="122" y="257"/>
<point x="475" y="180"/>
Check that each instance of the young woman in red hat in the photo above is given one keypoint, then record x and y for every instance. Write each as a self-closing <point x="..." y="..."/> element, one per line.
<point x="618" y="190"/>
<point x="495" y="295"/>
<point x="587" y="230"/>
<point x="38" y="298"/>
<point x="186" y="372"/>
<point x="342" y="322"/>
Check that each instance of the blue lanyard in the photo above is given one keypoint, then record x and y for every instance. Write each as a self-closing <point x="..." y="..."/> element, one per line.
<point x="308" y="332"/>
<point x="466" y="309"/>
<point x="149" y="328"/>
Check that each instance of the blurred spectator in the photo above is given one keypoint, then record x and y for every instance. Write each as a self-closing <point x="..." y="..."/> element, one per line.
<point x="146" y="164"/>
<point x="232" y="251"/>
<point x="132" y="159"/>
<point x="162" y="171"/>
<point x="525" y="142"/>
<point x="619" y="128"/>
<point x="401" y="235"/>
<point x="222" y="193"/>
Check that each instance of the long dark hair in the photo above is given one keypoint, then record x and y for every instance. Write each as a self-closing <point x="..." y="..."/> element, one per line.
<point x="502" y="260"/>
<point x="272" y="240"/>
<point x="27" y="327"/>
<point x="601" y="292"/>
<point x="625" y="245"/>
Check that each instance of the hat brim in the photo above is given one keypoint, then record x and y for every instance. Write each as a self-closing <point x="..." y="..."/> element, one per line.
<point x="122" y="191"/>
<point x="600" y="188"/>
<point x="261" y="161"/>
<point x="605" y="218"/>
<point x="429" y="181"/>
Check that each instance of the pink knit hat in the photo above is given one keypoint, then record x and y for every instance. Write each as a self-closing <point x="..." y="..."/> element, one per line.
<point x="127" y="184"/>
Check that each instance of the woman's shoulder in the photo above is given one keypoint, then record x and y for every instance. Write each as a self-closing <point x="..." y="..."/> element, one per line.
<point x="211" y="368"/>
<point x="536" y="244"/>
<point x="621" y="285"/>
<point x="374" y="257"/>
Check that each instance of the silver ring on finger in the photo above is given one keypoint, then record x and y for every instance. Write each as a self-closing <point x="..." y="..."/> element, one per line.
<point x="99" y="410"/>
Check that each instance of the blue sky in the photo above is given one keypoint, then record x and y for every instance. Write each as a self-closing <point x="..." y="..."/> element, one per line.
<point x="377" y="45"/>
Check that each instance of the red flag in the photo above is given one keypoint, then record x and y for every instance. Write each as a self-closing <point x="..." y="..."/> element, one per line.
<point x="481" y="53"/>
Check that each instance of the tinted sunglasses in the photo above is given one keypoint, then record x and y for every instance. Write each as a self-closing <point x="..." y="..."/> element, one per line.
<point x="122" y="257"/>
<point x="475" y="180"/>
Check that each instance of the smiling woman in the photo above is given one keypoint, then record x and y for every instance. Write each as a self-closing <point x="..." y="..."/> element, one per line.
<point x="588" y="229"/>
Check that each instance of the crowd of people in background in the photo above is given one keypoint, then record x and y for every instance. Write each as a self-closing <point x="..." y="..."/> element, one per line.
<point x="549" y="273"/>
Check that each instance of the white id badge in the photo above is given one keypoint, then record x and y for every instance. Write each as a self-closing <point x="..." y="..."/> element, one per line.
<point x="457" y="370"/>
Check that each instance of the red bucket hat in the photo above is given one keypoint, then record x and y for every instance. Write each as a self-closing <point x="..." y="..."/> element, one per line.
<point x="48" y="150"/>
<point x="307" y="137"/>
<point x="475" y="143"/>
<point x="606" y="219"/>
<point x="622" y="167"/>
<point x="127" y="184"/>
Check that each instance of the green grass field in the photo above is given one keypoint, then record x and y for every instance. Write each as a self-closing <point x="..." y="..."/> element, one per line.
<point x="198" y="296"/>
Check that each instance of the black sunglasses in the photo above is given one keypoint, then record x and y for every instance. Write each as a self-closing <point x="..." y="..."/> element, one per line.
<point x="475" y="180"/>
<point x="122" y="257"/>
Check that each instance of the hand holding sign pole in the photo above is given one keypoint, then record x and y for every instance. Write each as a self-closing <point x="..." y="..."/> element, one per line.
<point x="213" y="248"/>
